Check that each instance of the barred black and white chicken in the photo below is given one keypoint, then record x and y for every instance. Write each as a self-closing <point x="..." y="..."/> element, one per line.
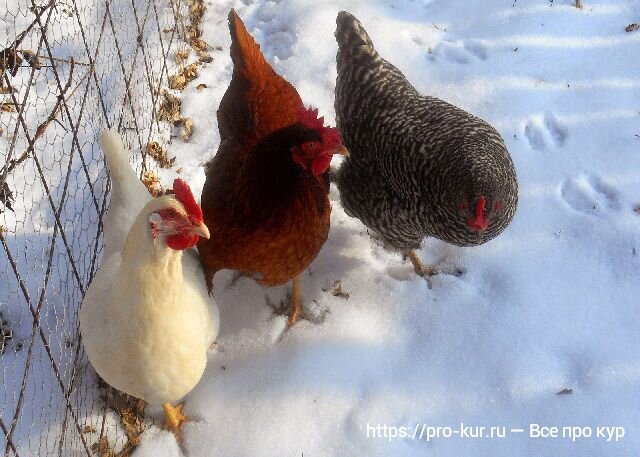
<point x="419" y="166"/>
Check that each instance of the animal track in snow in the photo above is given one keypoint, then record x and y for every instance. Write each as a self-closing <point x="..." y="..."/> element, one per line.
<point x="417" y="39"/>
<point x="589" y="195"/>
<point x="461" y="51"/>
<point x="545" y="132"/>
<point x="278" y="39"/>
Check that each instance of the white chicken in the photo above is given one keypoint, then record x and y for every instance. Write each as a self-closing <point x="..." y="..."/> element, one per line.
<point x="147" y="320"/>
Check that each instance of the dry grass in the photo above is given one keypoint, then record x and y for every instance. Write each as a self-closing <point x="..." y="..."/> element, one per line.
<point x="131" y="413"/>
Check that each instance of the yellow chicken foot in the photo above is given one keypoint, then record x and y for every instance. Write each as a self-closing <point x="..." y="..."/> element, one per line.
<point x="173" y="419"/>
<point x="295" y="309"/>
<point x="420" y="268"/>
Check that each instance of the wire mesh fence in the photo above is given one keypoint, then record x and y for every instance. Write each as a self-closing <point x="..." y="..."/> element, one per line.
<point x="68" y="69"/>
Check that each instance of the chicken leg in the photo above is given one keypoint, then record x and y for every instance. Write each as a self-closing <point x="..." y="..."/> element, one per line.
<point x="173" y="419"/>
<point x="295" y="309"/>
<point x="420" y="268"/>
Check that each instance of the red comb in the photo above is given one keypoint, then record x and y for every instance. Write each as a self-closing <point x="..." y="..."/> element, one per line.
<point x="184" y="196"/>
<point x="309" y="118"/>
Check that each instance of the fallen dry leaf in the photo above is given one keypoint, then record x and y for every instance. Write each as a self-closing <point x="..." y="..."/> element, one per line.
<point x="186" y="74"/>
<point x="169" y="107"/>
<point x="157" y="153"/>
<point x="632" y="27"/>
<point x="152" y="183"/>
<point x="336" y="290"/>
<point x="565" y="391"/>
<point x="102" y="448"/>
<point x="182" y="55"/>
<point x="9" y="60"/>
<point x="32" y="59"/>
<point x="186" y="127"/>
<point x="177" y="82"/>
<point x="198" y="44"/>
<point x="204" y="57"/>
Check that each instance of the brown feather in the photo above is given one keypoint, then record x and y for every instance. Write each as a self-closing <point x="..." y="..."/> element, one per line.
<point x="268" y="218"/>
<point x="258" y="100"/>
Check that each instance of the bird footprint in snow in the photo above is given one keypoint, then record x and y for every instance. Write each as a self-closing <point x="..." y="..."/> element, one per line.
<point x="545" y="132"/>
<point x="278" y="40"/>
<point x="589" y="195"/>
<point x="461" y="51"/>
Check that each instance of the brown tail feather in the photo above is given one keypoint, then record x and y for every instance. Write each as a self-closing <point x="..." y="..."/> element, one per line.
<point x="245" y="52"/>
<point x="258" y="100"/>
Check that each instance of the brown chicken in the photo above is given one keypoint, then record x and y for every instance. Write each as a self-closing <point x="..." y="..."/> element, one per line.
<point x="265" y="198"/>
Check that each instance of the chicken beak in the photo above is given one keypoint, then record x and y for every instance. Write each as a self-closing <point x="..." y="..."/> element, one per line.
<point x="341" y="150"/>
<point x="201" y="230"/>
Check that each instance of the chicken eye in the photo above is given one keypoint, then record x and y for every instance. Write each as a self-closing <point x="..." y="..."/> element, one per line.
<point x="171" y="213"/>
<point x="463" y="205"/>
<point x="309" y="148"/>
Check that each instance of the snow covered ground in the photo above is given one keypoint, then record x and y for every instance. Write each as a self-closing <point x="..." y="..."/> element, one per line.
<point x="551" y="304"/>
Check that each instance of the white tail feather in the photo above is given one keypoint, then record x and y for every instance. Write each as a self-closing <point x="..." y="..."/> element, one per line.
<point x="128" y="194"/>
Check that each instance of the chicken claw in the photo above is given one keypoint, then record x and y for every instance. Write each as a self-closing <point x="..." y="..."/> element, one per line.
<point x="420" y="268"/>
<point x="173" y="419"/>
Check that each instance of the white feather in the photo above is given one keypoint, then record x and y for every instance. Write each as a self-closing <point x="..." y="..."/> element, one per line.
<point x="147" y="320"/>
<point x="128" y="194"/>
